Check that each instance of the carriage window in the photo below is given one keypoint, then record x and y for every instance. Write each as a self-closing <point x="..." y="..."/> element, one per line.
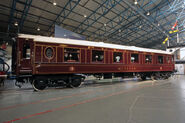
<point x="49" y="52"/>
<point x="118" y="57"/>
<point x="26" y="51"/>
<point x="148" y="58"/>
<point x="160" y="59"/>
<point x="134" y="58"/>
<point x="168" y="60"/>
<point x="97" y="56"/>
<point x="71" y="55"/>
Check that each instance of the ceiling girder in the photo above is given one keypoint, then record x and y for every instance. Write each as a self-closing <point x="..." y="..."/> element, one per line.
<point x="145" y="17"/>
<point x="64" y="11"/>
<point x="24" y="14"/>
<point x="12" y="10"/>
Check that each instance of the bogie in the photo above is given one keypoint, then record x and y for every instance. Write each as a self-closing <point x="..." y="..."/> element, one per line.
<point x="41" y="82"/>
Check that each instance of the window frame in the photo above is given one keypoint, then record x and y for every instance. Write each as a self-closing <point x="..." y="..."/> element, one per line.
<point x="172" y="60"/>
<point x="151" y="59"/>
<point x="158" y="59"/>
<point x="24" y="51"/>
<point x="131" y="59"/>
<point x="79" y="61"/>
<point x="121" y="61"/>
<point x="103" y="61"/>
<point x="46" y="55"/>
<point x="168" y="60"/>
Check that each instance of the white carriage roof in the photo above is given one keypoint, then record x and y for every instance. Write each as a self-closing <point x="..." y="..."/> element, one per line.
<point x="45" y="39"/>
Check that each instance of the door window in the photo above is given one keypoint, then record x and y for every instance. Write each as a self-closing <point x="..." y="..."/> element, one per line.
<point x="26" y="51"/>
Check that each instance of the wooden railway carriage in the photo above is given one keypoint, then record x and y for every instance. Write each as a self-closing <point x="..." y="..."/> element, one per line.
<point x="48" y="61"/>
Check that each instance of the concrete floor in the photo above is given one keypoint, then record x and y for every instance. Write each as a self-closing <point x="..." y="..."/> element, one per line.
<point x="161" y="101"/>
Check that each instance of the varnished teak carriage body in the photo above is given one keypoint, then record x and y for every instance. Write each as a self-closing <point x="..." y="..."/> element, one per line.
<point x="46" y="56"/>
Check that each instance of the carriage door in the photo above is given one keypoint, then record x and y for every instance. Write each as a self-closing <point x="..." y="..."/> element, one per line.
<point x="25" y="56"/>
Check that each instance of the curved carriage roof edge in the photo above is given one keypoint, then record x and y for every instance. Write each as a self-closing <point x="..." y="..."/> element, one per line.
<point x="38" y="38"/>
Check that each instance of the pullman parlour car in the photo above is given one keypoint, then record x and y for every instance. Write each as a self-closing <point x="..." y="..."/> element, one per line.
<point x="48" y="61"/>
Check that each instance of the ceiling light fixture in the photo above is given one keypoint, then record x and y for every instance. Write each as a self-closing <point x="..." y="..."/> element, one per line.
<point x="16" y="23"/>
<point x="148" y="13"/>
<point x="54" y="3"/>
<point x="85" y="16"/>
<point x="119" y="30"/>
<point x="38" y="29"/>
<point x="158" y="24"/>
<point x="135" y="2"/>
<point x="105" y="24"/>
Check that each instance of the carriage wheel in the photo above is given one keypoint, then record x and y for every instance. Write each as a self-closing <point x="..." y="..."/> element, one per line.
<point x="39" y="85"/>
<point x="76" y="82"/>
